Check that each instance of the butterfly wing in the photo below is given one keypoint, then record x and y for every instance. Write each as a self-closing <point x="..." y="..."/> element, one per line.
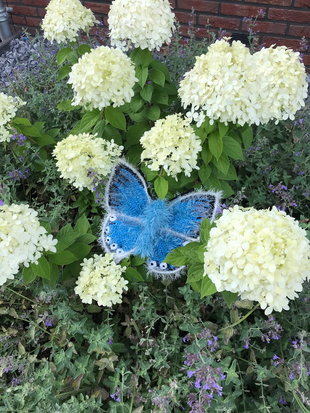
<point x="126" y="196"/>
<point x="188" y="212"/>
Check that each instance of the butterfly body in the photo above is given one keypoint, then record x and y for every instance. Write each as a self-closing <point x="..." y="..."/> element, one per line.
<point x="138" y="225"/>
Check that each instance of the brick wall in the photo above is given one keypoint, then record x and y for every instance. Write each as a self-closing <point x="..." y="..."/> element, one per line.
<point x="284" y="23"/>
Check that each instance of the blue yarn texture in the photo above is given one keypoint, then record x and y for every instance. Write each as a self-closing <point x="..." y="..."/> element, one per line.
<point x="136" y="224"/>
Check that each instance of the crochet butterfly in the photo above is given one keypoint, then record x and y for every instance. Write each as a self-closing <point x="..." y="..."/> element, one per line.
<point x="136" y="224"/>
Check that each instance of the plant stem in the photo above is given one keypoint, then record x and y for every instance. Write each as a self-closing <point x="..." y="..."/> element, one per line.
<point x="241" y="319"/>
<point x="21" y="295"/>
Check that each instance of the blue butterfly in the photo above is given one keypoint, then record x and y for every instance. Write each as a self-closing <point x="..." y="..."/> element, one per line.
<point x="136" y="224"/>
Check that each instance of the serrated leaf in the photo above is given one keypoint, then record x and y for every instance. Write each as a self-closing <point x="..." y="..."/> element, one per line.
<point x="195" y="272"/>
<point x="116" y="117"/>
<point x="205" y="229"/>
<point x="232" y="148"/>
<point x="83" y="48"/>
<point x="153" y="113"/>
<point x="207" y="287"/>
<point x="177" y="258"/>
<point x="206" y="154"/>
<point x="42" y="269"/>
<point x="229" y="297"/>
<point x="146" y="92"/>
<point x="62" y="55"/>
<point x="86" y="239"/>
<point x="230" y="176"/>
<point x="136" y="103"/>
<point x="45" y="140"/>
<point x="52" y="133"/>
<point x="82" y="225"/>
<point x="227" y="189"/>
<point x="141" y="57"/>
<point x="62" y="258"/>
<point x="64" y="72"/>
<point x="204" y="172"/>
<point x="110" y="132"/>
<point x="223" y="129"/>
<point x="32" y="131"/>
<point x="222" y="164"/>
<point x="161" y="187"/>
<point x="160" y="97"/>
<point x="80" y="250"/>
<point x="28" y="275"/>
<point x="21" y="121"/>
<point x="156" y="64"/>
<point x="89" y="120"/>
<point x="149" y="175"/>
<point x="137" y="260"/>
<point x="215" y="144"/>
<point x="141" y="74"/>
<point x="157" y="77"/>
<point x="131" y="273"/>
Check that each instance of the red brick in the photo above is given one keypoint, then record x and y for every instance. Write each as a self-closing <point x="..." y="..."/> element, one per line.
<point x="33" y="21"/>
<point x="98" y="7"/>
<point x="42" y="3"/>
<point x="266" y="27"/>
<point x="199" y="5"/>
<point x="241" y="10"/>
<point x="289" y="15"/>
<point x="272" y="2"/>
<point x="18" y="19"/>
<point x="302" y="3"/>
<point x="299" y="31"/>
<point x="172" y="3"/>
<point x="184" y="17"/>
<point x="41" y="12"/>
<point x="24" y="10"/>
<point x="292" y="44"/>
<point x="223" y="22"/>
<point x="306" y="60"/>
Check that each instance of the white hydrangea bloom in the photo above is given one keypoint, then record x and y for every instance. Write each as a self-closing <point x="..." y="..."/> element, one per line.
<point x="144" y="23"/>
<point x="101" y="77"/>
<point x="64" y="18"/>
<point x="8" y="109"/>
<point x="22" y="239"/>
<point x="171" y="143"/>
<point x="101" y="280"/>
<point x="262" y="254"/>
<point x="231" y="85"/>
<point x="78" y="156"/>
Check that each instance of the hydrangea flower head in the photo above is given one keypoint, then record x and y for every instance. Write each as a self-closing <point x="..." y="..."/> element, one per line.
<point x="103" y="77"/>
<point x="8" y="109"/>
<point x="101" y="280"/>
<point x="144" y="23"/>
<point x="22" y="239"/>
<point x="231" y="85"/>
<point x="262" y="254"/>
<point x="64" y="18"/>
<point x="78" y="155"/>
<point x="171" y="143"/>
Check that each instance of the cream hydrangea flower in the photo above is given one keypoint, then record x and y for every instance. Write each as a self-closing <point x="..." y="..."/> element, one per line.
<point x="171" y="143"/>
<point x="101" y="280"/>
<point x="80" y="157"/>
<point x="101" y="77"/>
<point x="231" y="85"/>
<point x="8" y="109"/>
<point x="22" y="239"/>
<point x="145" y="23"/>
<point x="262" y="254"/>
<point x="64" y="18"/>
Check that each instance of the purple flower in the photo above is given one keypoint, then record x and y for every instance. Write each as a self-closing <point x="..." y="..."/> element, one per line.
<point x="190" y="374"/>
<point x="110" y="341"/>
<point x="291" y="376"/>
<point x="282" y="401"/>
<point x="48" y="322"/>
<point x="297" y="153"/>
<point x="1" y="202"/>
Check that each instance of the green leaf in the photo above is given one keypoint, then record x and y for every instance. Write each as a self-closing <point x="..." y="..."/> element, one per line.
<point x="135" y="132"/>
<point x="76" y="128"/>
<point x="45" y="140"/>
<point x="177" y="258"/>
<point x="227" y="189"/>
<point x="72" y="57"/>
<point x="99" y="128"/>
<point x="149" y="175"/>
<point x="62" y="55"/>
<point x="116" y="117"/>
<point x="47" y="226"/>
<point x="207" y="287"/>
<point x="66" y="106"/>
<point x="89" y="120"/>
<point x="160" y="97"/>
<point x="205" y="229"/>
<point x="204" y="172"/>
<point x="247" y="137"/>
<point x="42" y="269"/>
<point x="232" y="148"/>
<point x="215" y="144"/>
<point x="134" y="154"/>
<point x="161" y="187"/>
<point x="80" y="250"/>
<point x="156" y="64"/>
<point x="229" y="297"/>
<point x="21" y="121"/>
<point x="195" y="272"/>
<point x="68" y="238"/>
<point x="213" y="183"/>
<point x="28" y="275"/>
<point x="64" y="72"/>
<point x="82" y="225"/>
<point x="62" y="258"/>
<point x="223" y="129"/>
<point x="157" y="77"/>
<point x="32" y="131"/>
<point x="141" y="57"/>
<point x="136" y="104"/>
<point x="86" y="238"/>
<point x="53" y="132"/>
<point x="222" y="164"/>
<point x="141" y="74"/>
<point x="206" y="154"/>
<point x="137" y="260"/>
<point x="83" y="48"/>
<point x="110" y="133"/>
<point x="54" y="274"/>
<point x="153" y="113"/>
<point x="146" y="92"/>
<point x="64" y="230"/>
<point x="131" y="273"/>
<point x="230" y="176"/>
